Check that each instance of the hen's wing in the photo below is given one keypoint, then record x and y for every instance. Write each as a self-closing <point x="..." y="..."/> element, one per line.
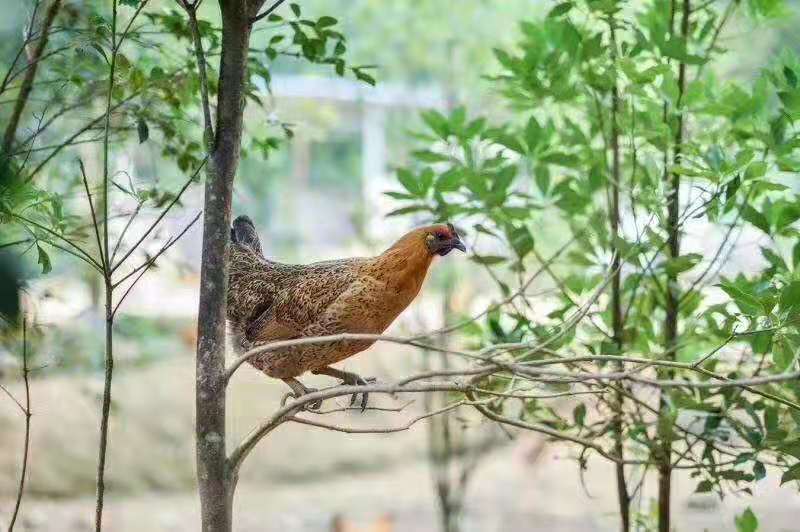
<point x="302" y="298"/>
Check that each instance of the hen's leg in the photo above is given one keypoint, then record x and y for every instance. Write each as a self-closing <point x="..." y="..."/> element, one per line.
<point x="348" y="378"/>
<point x="298" y="390"/>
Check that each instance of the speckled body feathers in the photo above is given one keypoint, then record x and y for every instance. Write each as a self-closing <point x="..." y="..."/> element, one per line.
<point x="270" y="301"/>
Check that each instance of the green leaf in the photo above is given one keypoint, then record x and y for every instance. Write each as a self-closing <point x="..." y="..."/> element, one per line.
<point x="142" y="129"/>
<point x="790" y="296"/>
<point x="295" y="9"/>
<point x="44" y="260"/>
<point x="747" y="303"/>
<point x="533" y="133"/>
<point x="560" y="9"/>
<point x="791" y="77"/>
<point x="793" y="473"/>
<point x="579" y="414"/>
<point x="488" y="260"/>
<point x="756" y="169"/>
<point x="759" y="471"/>
<point x="130" y="3"/>
<point x="704" y="486"/>
<point x="450" y="180"/>
<point x="437" y="122"/>
<point x="407" y="210"/>
<point x="399" y="195"/>
<point x="782" y="354"/>
<point x="326" y="21"/>
<point x="521" y="241"/>
<point x="427" y="156"/>
<point x="682" y="263"/>
<point x="756" y="218"/>
<point x="409" y="181"/>
<point x="746" y="522"/>
<point x="363" y="76"/>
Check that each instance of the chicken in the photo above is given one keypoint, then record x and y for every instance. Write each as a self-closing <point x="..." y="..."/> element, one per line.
<point x="270" y="301"/>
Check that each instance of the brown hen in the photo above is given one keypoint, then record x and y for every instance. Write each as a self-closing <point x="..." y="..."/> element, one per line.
<point x="270" y="301"/>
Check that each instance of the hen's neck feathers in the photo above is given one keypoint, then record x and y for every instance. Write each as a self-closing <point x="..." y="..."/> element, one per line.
<point x="405" y="263"/>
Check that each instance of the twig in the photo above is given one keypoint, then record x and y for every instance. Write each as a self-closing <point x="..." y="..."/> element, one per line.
<point x="160" y="217"/>
<point x="378" y="430"/>
<point x="146" y="266"/>
<point x="103" y="255"/>
<point x="125" y="230"/>
<point x="80" y="252"/>
<point x="547" y="431"/>
<point x="251" y="440"/>
<point x="27" y="412"/>
<point x="30" y="75"/>
<point x="508" y="299"/>
<point x="267" y="11"/>
<point x="208" y="128"/>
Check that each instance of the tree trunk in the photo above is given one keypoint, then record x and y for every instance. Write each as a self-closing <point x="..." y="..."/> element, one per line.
<point x="673" y="296"/>
<point x="618" y="326"/>
<point x="30" y="76"/>
<point x="214" y="484"/>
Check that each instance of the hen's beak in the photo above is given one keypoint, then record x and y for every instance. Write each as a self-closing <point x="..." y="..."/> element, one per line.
<point x="449" y="245"/>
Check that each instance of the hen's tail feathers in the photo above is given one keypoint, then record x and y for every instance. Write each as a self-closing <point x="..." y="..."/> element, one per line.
<point x="243" y="232"/>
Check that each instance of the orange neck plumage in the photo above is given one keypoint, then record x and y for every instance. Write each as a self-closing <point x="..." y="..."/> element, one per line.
<point x="406" y="263"/>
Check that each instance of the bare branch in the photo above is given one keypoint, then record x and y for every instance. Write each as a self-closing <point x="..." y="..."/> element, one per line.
<point x="77" y="134"/>
<point x="378" y="430"/>
<point x="282" y="414"/>
<point x="27" y="411"/>
<point x="267" y="12"/>
<point x="522" y="289"/>
<point x="79" y="251"/>
<point x="30" y="75"/>
<point x="160" y="217"/>
<point x="103" y="256"/>
<point x="125" y="230"/>
<point x="542" y="429"/>
<point x="199" y="54"/>
<point x="146" y="266"/>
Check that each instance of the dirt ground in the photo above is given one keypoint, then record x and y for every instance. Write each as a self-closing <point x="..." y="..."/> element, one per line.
<point x="301" y="478"/>
<point x="507" y="494"/>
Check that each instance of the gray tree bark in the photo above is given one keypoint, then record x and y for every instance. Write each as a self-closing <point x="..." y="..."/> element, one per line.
<point x="215" y="486"/>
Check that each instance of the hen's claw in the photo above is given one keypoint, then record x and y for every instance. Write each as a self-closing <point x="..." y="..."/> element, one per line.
<point x="357" y="380"/>
<point x="351" y="379"/>
<point x="299" y="390"/>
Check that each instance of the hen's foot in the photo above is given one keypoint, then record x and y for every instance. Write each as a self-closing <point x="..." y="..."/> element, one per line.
<point x="299" y="390"/>
<point x="351" y="379"/>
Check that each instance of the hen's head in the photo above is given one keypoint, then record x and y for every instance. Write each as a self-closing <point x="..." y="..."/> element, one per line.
<point x="441" y="239"/>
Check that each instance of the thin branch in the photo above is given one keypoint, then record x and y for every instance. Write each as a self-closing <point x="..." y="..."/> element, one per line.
<point x="282" y="414"/>
<point x="16" y="243"/>
<point x="378" y="430"/>
<point x="542" y="429"/>
<point x="103" y="256"/>
<point x="272" y="346"/>
<point x="81" y="253"/>
<point x="27" y="412"/>
<point x="146" y="266"/>
<point x="522" y="289"/>
<point x="267" y="12"/>
<point x="125" y="230"/>
<point x="208" y="128"/>
<point x="30" y="76"/>
<point x="11" y="396"/>
<point x="160" y="217"/>
<point x="77" y="134"/>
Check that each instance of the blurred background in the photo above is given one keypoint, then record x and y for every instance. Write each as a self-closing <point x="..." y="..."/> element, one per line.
<point x="318" y="196"/>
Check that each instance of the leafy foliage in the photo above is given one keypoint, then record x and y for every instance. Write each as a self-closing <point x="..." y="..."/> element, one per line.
<point x="612" y="102"/>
